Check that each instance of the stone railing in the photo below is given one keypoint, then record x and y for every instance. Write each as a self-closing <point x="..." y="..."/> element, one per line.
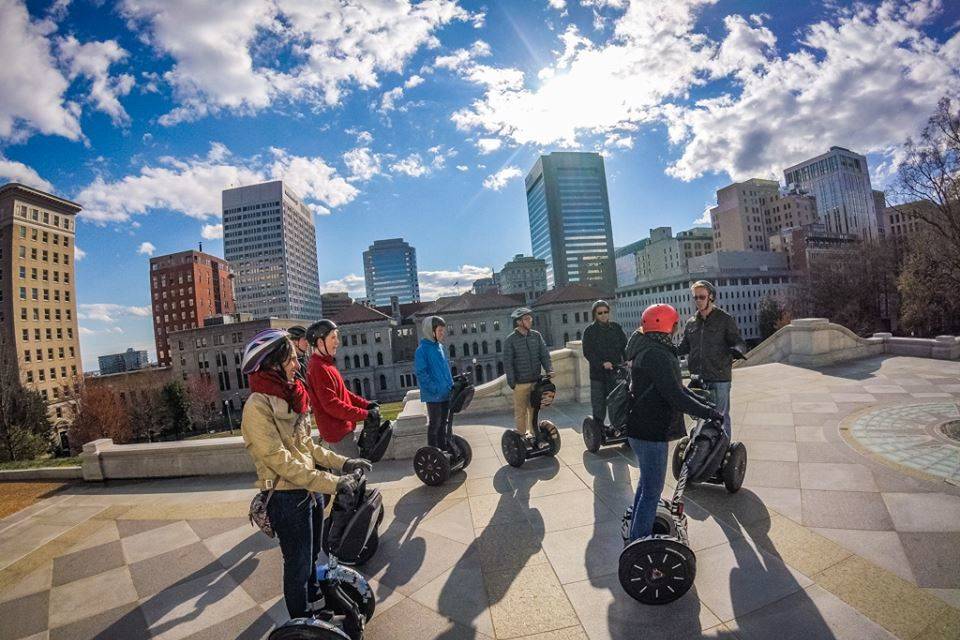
<point x="812" y="342"/>
<point x="572" y="377"/>
<point x="104" y="460"/>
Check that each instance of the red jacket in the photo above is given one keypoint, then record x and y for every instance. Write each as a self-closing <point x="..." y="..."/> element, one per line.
<point x="335" y="408"/>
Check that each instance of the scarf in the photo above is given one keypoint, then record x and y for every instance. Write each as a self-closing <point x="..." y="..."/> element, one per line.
<point x="663" y="338"/>
<point x="273" y="384"/>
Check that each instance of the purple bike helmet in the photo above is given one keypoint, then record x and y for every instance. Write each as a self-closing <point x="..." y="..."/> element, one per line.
<point x="262" y="345"/>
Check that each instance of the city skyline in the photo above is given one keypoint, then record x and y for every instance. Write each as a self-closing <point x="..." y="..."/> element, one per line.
<point x="428" y="131"/>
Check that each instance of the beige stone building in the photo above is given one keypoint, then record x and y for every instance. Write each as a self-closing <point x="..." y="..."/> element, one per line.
<point x="38" y="303"/>
<point x="738" y="219"/>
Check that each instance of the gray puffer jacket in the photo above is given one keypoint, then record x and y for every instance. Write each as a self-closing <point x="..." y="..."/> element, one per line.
<point x="523" y="357"/>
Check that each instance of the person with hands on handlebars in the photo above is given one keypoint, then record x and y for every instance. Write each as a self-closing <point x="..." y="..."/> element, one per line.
<point x="436" y="382"/>
<point x="276" y="432"/>
<point x="659" y="401"/>
<point x="524" y="354"/>
<point x="603" y="344"/>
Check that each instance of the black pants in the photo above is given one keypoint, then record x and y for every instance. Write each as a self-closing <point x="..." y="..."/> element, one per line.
<point x="299" y="526"/>
<point x="438" y="425"/>
<point x="599" y="390"/>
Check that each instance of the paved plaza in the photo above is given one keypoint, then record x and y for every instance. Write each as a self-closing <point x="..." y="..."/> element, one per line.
<point x="848" y="526"/>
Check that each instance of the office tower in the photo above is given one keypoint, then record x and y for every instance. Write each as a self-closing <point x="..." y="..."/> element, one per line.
<point x="523" y="275"/>
<point x="738" y="218"/>
<point x="570" y="219"/>
<point x="334" y="302"/>
<point x="270" y="241"/>
<point x="840" y="181"/>
<point x="390" y="269"/>
<point x="38" y="304"/>
<point x="185" y="288"/>
<point x="129" y="360"/>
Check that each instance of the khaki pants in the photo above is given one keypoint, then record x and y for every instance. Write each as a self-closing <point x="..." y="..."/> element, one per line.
<point x="522" y="411"/>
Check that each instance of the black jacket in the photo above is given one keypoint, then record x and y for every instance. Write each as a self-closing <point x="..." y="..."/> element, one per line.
<point x="659" y="397"/>
<point x="708" y="343"/>
<point x="603" y="342"/>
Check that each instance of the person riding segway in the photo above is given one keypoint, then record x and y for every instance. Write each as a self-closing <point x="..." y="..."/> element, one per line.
<point x="657" y="566"/>
<point x="603" y="344"/>
<point x="444" y="396"/>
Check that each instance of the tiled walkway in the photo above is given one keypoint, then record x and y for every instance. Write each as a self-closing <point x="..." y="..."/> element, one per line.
<point x="822" y="542"/>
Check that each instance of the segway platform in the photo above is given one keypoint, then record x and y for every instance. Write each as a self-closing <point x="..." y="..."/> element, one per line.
<point x="545" y="440"/>
<point x="433" y="465"/>
<point x="348" y="604"/>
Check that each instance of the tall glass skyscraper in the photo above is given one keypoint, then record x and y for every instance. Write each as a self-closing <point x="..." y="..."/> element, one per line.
<point x="570" y="219"/>
<point x="270" y="241"/>
<point x="390" y="269"/>
<point x="840" y="182"/>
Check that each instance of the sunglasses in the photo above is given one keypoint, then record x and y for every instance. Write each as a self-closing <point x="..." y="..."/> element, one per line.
<point x="603" y="313"/>
<point x="700" y="297"/>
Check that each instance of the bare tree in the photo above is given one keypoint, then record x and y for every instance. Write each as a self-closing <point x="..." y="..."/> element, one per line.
<point x="98" y="413"/>
<point x="204" y="400"/>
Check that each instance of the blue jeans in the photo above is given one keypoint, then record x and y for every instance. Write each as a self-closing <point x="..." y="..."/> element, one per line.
<point x="652" y="460"/>
<point x="299" y="526"/>
<point x="721" y="394"/>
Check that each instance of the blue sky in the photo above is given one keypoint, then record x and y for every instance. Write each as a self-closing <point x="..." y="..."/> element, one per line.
<point x="419" y="119"/>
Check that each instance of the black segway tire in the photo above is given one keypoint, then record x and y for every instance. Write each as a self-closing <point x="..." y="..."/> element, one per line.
<point x="677" y="462"/>
<point x="552" y="435"/>
<point x="366" y="608"/>
<point x="735" y="467"/>
<point x="592" y="437"/>
<point x="514" y="448"/>
<point x="657" y="570"/>
<point x="307" y="629"/>
<point x="465" y="450"/>
<point x="663" y="523"/>
<point x="431" y="465"/>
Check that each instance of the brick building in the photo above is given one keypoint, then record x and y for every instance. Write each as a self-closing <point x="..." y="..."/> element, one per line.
<point x="185" y="288"/>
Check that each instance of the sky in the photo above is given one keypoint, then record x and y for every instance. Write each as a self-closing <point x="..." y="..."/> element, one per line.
<point x="419" y="119"/>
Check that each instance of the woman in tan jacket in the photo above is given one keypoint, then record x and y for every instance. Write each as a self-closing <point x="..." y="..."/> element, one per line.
<point x="276" y="432"/>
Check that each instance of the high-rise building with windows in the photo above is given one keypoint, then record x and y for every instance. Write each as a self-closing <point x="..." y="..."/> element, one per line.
<point x="524" y="275"/>
<point x="840" y="181"/>
<point x="185" y="288"/>
<point x="570" y="219"/>
<point x="129" y="360"/>
<point x="38" y="305"/>
<point x="270" y="241"/>
<point x="390" y="269"/>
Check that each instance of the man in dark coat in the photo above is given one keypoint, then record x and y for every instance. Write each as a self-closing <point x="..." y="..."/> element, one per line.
<point x="603" y="344"/>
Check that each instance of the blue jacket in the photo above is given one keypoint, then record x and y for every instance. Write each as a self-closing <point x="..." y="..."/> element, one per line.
<point x="433" y="371"/>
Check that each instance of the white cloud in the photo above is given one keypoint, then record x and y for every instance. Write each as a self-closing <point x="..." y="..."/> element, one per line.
<point x="463" y="57"/>
<point x="211" y="231"/>
<point x="146" y="248"/>
<point x="413" y="81"/>
<point x="31" y="87"/>
<point x="434" y="284"/>
<point x="388" y="101"/>
<point x="705" y="216"/>
<point x="412" y="166"/>
<point x="19" y="172"/>
<point x="499" y="180"/>
<point x="92" y="60"/>
<point x="618" y="141"/>
<point x="462" y="167"/>
<point x="557" y="4"/>
<point x="489" y="145"/>
<point x="362" y="163"/>
<point x="78" y="253"/>
<point x="193" y="186"/>
<point x="110" y="313"/>
<point x="353" y="284"/>
<point x="333" y="46"/>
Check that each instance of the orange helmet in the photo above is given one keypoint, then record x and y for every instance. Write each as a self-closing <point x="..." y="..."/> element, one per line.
<point x="659" y="318"/>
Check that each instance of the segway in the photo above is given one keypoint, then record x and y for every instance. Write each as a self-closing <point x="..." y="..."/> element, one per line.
<point x="596" y="436"/>
<point x="375" y="437"/>
<point x="351" y="532"/>
<point x="545" y="440"/>
<point x="661" y="567"/>
<point x="347" y="602"/>
<point x="433" y="465"/>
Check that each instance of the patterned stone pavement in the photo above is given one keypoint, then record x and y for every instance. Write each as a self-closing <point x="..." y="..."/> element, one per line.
<point x="824" y="541"/>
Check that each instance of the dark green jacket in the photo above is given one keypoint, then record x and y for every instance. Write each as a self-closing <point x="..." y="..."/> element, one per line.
<point x="524" y="356"/>
<point x="603" y="342"/>
<point x="708" y="344"/>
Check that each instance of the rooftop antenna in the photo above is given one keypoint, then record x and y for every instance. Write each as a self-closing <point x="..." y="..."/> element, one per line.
<point x="201" y="247"/>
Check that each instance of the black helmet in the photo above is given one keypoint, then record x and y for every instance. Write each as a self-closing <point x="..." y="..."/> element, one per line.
<point x="706" y="284"/>
<point x="320" y="330"/>
<point x="296" y="332"/>
<point x="597" y="305"/>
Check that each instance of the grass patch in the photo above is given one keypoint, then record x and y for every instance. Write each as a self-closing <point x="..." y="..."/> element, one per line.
<point x="390" y="410"/>
<point x="40" y="462"/>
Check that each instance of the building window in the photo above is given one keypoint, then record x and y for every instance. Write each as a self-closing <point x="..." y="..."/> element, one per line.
<point x="564" y="319"/>
<point x="366" y="360"/>
<point x="383" y="382"/>
<point x="453" y="350"/>
<point x="379" y="359"/>
<point x="498" y="346"/>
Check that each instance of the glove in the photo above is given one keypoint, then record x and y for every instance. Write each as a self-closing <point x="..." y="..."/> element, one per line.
<point x="716" y="416"/>
<point x="347" y="484"/>
<point x="373" y="414"/>
<point x="373" y="405"/>
<point x="353" y="464"/>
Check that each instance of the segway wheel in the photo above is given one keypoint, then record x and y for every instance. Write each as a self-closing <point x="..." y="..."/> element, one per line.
<point x="513" y="447"/>
<point x="553" y="436"/>
<point x="592" y="438"/>
<point x="466" y="451"/>
<point x="678" y="456"/>
<point x="657" y="570"/>
<point x="366" y="608"/>
<point x="431" y="465"/>
<point x="735" y="467"/>
<point x="664" y="523"/>
<point x="307" y="629"/>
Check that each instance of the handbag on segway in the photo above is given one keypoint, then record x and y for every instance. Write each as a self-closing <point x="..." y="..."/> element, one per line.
<point x="375" y="437"/>
<point x="434" y="466"/>
<point x="545" y="441"/>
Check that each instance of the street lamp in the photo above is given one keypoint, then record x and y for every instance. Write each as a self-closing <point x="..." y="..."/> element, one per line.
<point x="226" y="408"/>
